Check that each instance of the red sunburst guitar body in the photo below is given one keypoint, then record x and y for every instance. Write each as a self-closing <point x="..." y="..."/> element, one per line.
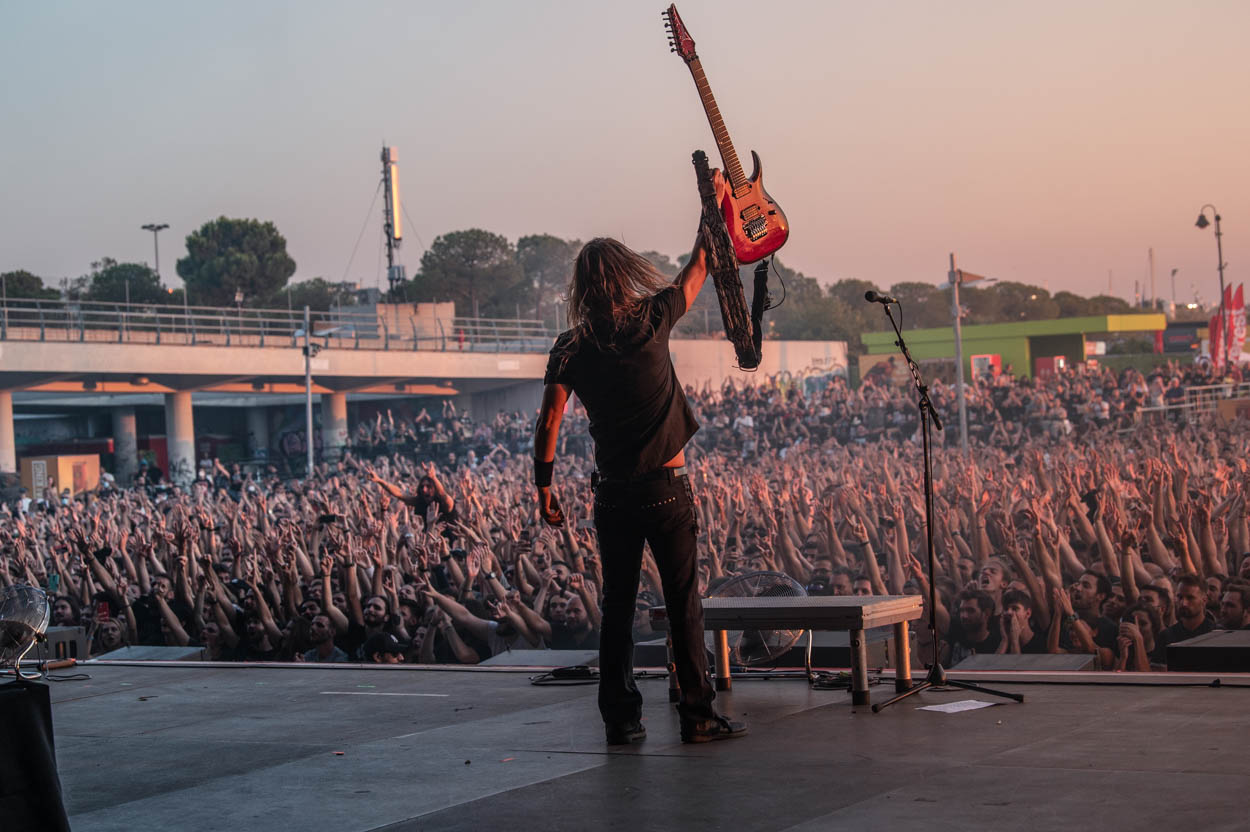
<point x="757" y="227"/>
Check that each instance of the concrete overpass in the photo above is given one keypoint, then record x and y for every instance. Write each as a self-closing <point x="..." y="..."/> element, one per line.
<point x="114" y="356"/>
<point x="120" y="350"/>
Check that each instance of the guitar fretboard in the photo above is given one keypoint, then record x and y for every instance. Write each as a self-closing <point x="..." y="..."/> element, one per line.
<point x="729" y="158"/>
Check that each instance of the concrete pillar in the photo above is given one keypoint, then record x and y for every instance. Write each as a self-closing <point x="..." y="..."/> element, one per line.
<point x="180" y="437"/>
<point x="334" y="436"/>
<point x="8" y="442"/>
<point x="125" y="446"/>
<point x="258" y="432"/>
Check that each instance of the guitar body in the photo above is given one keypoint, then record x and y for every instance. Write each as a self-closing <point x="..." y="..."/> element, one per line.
<point x="757" y="226"/>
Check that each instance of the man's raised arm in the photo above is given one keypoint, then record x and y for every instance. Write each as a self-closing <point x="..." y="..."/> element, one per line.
<point x="546" y="432"/>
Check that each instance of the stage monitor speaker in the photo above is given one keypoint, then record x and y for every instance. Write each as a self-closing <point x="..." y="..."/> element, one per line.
<point x="61" y="643"/>
<point x="1039" y="662"/>
<point x="153" y="653"/>
<point x="545" y="658"/>
<point x="30" y="789"/>
<point x="1221" y="651"/>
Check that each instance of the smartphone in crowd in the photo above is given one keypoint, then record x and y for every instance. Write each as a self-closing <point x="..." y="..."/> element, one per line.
<point x="102" y="612"/>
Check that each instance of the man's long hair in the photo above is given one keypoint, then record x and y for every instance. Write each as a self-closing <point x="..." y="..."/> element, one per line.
<point x="610" y="282"/>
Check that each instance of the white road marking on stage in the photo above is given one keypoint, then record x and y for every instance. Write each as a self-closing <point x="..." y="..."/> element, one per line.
<point x="377" y="693"/>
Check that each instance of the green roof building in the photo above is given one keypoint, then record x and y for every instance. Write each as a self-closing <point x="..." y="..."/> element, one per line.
<point x="1018" y="344"/>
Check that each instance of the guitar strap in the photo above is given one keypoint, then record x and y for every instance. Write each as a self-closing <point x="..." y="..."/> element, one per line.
<point x="746" y="333"/>
<point x="759" y="302"/>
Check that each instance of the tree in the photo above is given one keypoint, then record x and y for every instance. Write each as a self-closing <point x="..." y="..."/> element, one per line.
<point x="318" y="294"/>
<point x="663" y="263"/>
<point x="23" y="284"/>
<point x="228" y="255"/>
<point x="980" y="305"/>
<point x="807" y="312"/>
<point x="1022" y="302"/>
<point x="1072" y="305"/>
<point x="547" y="265"/>
<point x="476" y="269"/>
<point x="113" y="282"/>
<point x="925" y="304"/>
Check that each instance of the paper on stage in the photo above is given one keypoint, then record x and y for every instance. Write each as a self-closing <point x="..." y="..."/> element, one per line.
<point x="956" y="707"/>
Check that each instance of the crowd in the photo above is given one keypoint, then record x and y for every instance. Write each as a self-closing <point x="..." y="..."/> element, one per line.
<point x="1061" y="532"/>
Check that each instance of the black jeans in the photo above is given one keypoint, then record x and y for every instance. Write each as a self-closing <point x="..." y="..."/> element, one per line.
<point x="658" y="511"/>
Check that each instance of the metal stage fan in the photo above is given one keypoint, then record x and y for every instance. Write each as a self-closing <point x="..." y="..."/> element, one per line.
<point x="24" y="617"/>
<point x="756" y="647"/>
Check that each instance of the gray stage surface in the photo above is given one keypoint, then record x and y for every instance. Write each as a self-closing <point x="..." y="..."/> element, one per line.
<point x="305" y="748"/>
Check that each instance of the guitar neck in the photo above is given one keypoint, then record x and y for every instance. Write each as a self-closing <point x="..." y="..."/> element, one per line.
<point x="729" y="157"/>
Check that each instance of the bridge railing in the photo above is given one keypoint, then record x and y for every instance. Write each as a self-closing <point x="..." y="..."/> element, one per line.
<point x="29" y="319"/>
<point x="1201" y="402"/>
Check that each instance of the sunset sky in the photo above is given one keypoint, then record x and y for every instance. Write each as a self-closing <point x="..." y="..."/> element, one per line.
<point x="1050" y="143"/>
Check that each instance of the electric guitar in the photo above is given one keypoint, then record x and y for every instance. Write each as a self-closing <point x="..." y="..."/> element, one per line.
<point x="756" y="225"/>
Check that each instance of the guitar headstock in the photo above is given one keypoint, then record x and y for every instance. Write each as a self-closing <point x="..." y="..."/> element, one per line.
<point x="678" y="37"/>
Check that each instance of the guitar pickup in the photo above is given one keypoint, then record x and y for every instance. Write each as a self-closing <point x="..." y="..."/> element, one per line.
<point x="756" y="228"/>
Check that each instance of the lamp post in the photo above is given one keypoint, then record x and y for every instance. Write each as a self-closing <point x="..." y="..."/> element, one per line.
<point x="238" y="310"/>
<point x="957" y="278"/>
<point x="156" y="229"/>
<point x="1219" y="252"/>
<point x="310" y="349"/>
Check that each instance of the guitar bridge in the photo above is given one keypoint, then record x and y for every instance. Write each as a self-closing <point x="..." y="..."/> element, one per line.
<point x="756" y="228"/>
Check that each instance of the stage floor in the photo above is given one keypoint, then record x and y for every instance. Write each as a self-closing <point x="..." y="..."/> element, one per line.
<point x="306" y="748"/>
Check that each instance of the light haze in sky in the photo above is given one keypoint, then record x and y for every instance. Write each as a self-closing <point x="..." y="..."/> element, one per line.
<point x="1050" y="143"/>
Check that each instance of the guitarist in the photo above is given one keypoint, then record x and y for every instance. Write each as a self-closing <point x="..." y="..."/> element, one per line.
<point x="615" y="358"/>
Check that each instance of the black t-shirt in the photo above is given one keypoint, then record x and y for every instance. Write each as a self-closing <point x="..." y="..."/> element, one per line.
<point x="962" y="645"/>
<point x="245" y="652"/>
<point x="148" y="618"/>
<point x="1177" y="632"/>
<point x="564" y="639"/>
<point x="639" y="417"/>
<point x="1037" y="644"/>
<point x="1105" y="631"/>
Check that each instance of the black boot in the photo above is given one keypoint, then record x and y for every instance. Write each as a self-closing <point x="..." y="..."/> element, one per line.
<point x="624" y="733"/>
<point x="710" y="730"/>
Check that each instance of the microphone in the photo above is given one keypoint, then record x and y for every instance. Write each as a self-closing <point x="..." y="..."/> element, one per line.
<point x="877" y="297"/>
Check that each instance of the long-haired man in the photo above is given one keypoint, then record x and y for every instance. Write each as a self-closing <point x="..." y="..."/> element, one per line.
<point x="615" y="358"/>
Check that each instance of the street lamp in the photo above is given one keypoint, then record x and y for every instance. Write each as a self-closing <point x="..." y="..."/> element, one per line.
<point x="310" y="351"/>
<point x="957" y="278"/>
<point x="1219" y="252"/>
<point x="156" y="229"/>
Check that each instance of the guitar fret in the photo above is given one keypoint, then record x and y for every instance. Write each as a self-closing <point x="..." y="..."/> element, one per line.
<point x="720" y="133"/>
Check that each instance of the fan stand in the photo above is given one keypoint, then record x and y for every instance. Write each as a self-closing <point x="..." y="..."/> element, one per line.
<point x="16" y="670"/>
<point x="936" y="676"/>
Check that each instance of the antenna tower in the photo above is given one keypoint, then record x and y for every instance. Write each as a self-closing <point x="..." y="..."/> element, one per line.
<point x="391" y="213"/>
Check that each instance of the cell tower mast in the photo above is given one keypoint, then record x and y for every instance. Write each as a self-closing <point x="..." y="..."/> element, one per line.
<point x="391" y="213"/>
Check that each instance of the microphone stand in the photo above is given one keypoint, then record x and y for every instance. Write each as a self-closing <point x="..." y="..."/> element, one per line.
<point x="937" y="675"/>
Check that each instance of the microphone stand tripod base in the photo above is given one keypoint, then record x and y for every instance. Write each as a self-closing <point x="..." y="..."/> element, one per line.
<point x="937" y="678"/>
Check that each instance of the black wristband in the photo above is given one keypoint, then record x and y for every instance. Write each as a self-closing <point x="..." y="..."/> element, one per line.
<point x="542" y="473"/>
